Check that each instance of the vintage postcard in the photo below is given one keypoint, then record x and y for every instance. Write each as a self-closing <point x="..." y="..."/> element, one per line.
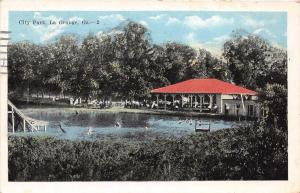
<point x="149" y="96"/>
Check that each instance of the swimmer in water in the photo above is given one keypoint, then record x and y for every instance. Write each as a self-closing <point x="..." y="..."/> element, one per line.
<point x="117" y="124"/>
<point x="89" y="132"/>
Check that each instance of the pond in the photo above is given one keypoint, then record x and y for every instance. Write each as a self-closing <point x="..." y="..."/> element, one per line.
<point x="94" y="125"/>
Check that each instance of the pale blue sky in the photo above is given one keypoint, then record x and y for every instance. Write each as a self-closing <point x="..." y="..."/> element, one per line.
<point x="196" y="28"/>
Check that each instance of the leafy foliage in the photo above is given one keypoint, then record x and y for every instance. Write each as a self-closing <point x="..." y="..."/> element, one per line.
<point x="256" y="153"/>
<point x="274" y="100"/>
<point x="254" y="62"/>
<point x="107" y="65"/>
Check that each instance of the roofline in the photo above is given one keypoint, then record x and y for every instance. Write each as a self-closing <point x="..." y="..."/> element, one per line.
<point x="153" y="92"/>
<point x="254" y="93"/>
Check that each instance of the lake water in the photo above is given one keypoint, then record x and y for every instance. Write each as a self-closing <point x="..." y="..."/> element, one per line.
<point x="93" y="125"/>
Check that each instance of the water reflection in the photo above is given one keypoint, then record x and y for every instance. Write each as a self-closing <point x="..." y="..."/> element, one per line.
<point x="93" y="125"/>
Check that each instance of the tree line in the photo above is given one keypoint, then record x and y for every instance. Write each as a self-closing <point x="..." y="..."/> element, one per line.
<point x="121" y="63"/>
<point x="124" y="63"/>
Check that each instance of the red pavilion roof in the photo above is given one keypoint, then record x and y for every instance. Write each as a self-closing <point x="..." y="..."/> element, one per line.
<point x="203" y="86"/>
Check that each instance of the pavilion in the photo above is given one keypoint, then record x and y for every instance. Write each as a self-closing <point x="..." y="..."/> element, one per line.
<point x="209" y="95"/>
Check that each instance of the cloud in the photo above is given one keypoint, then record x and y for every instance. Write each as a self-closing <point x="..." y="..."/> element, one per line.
<point x="172" y="20"/>
<point x="221" y="39"/>
<point x="75" y="18"/>
<point x="250" y="22"/>
<point x="157" y="17"/>
<point x="48" y="32"/>
<point x="215" y="50"/>
<point x="111" y="20"/>
<point x="196" y="22"/>
<point x="112" y="17"/>
<point x="264" y="32"/>
<point x="214" y="45"/>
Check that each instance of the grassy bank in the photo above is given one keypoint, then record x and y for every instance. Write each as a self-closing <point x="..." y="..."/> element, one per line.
<point x="230" y="154"/>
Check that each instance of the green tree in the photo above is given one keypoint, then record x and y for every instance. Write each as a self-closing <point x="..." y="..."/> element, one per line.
<point x="155" y="73"/>
<point x="131" y="46"/>
<point x="211" y="66"/>
<point x="64" y="57"/>
<point x="179" y="58"/>
<point x="277" y="71"/>
<point x="20" y="66"/>
<point x="274" y="98"/>
<point x="253" y="62"/>
<point x="245" y="56"/>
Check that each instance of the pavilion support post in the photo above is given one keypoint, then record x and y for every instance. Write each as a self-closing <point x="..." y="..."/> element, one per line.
<point x="182" y="100"/>
<point x="221" y="105"/>
<point x="191" y="98"/>
<point x="193" y="101"/>
<point x="173" y="98"/>
<point x="196" y="101"/>
<point x="210" y="100"/>
<point x="165" y="101"/>
<point x="157" y="96"/>
<point x="200" y="103"/>
<point x="243" y="104"/>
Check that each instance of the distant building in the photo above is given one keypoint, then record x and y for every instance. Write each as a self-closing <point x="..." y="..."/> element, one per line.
<point x="209" y="95"/>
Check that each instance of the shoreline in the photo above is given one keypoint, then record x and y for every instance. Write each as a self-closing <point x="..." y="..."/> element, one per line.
<point x="127" y="110"/>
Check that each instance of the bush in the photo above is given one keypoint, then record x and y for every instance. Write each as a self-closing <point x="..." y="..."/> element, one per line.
<point x="231" y="154"/>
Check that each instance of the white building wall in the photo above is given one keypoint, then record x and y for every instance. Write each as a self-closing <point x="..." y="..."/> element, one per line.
<point x="219" y="103"/>
<point x="235" y="111"/>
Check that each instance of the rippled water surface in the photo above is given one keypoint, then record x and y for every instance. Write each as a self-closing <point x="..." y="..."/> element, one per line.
<point x="92" y="125"/>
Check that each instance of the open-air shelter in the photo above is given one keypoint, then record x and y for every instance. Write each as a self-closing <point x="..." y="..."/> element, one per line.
<point x="208" y="95"/>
